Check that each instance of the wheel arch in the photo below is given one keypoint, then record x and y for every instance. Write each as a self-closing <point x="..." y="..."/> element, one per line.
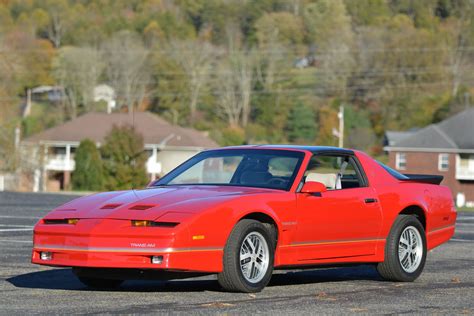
<point x="264" y="218"/>
<point x="418" y="212"/>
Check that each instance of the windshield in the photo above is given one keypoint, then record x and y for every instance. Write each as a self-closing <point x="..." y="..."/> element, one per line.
<point x="273" y="169"/>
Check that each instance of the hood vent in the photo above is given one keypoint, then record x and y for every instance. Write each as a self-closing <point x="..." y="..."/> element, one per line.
<point x="110" y="206"/>
<point x="141" y="207"/>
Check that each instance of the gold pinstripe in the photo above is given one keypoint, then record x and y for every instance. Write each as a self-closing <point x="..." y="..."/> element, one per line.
<point x="329" y="242"/>
<point x="123" y="250"/>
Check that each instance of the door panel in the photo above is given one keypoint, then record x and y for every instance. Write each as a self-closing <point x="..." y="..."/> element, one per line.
<point x="339" y="223"/>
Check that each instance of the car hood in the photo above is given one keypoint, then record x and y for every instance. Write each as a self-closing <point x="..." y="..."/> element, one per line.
<point x="150" y="203"/>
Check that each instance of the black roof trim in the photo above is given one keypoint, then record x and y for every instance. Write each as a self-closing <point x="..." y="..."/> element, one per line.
<point x="313" y="149"/>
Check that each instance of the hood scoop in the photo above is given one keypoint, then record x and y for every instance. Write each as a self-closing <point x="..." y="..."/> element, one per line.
<point x="141" y="207"/>
<point x="110" y="206"/>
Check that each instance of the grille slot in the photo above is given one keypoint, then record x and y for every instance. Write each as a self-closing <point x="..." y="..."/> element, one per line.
<point x="110" y="206"/>
<point x="141" y="207"/>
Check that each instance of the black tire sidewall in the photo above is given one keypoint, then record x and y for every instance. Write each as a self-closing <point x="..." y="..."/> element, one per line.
<point x="255" y="226"/>
<point x="399" y="227"/>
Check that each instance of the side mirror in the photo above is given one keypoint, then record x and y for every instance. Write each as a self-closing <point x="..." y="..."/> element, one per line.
<point x="313" y="187"/>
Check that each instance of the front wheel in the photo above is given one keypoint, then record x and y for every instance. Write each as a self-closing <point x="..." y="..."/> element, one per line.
<point x="248" y="257"/>
<point x="405" y="250"/>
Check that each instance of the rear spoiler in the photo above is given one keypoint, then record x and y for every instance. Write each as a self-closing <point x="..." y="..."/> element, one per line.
<point x="423" y="178"/>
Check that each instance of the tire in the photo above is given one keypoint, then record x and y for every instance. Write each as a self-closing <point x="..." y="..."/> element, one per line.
<point x="103" y="284"/>
<point x="399" y="264"/>
<point x="258" y="268"/>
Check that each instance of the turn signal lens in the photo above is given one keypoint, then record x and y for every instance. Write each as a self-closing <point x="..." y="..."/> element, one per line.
<point x="68" y="221"/>
<point x="144" y="223"/>
<point x="140" y="223"/>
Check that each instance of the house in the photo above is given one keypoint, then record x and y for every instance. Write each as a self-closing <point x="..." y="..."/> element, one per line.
<point x="445" y="148"/>
<point x="51" y="153"/>
<point x="105" y="93"/>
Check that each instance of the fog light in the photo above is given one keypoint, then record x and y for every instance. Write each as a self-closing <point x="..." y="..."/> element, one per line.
<point x="156" y="259"/>
<point x="46" y="255"/>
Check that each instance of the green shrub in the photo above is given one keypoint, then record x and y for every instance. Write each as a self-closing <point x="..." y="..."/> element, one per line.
<point x="88" y="174"/>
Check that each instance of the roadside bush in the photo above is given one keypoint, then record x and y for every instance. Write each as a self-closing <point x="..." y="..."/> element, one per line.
<point x="88" y="174"/>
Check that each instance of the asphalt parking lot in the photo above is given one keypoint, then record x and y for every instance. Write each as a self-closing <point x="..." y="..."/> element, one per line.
<point x="445" y="287"/>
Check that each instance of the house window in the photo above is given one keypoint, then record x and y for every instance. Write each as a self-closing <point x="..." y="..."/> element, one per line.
<point x="443" y="162"/>
<point x="401" y="161"/>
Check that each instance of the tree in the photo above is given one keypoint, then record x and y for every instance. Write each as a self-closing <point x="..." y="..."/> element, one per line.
<point x="124" y="159"/>
<point x="127" y="68"/>
<point x="78" y="70"/>
<point x="59" y="19"/>
<point x="88" y="173"/>
<point x="326" y="21"/>
<point x="367" y="12"/>
<point x="329" y="30"/>
<point x="458" y="43"/>
<point x="277" y="33"/>
<point x="301" y="125"/>
<point x="283" y="27"/>
<point x="195" y="58"/>
<point x="234" y="86"/>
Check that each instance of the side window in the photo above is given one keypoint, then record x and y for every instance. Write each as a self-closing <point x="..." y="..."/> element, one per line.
<point x="336" y="172"/>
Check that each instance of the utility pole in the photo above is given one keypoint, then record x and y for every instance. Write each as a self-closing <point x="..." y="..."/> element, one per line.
<point x="340" y="115"/>
<point x="27" y="109"/>
<point x="467" y="96"/>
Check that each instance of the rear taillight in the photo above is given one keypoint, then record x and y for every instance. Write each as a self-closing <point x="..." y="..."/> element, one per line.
<point x="144" y="223"/>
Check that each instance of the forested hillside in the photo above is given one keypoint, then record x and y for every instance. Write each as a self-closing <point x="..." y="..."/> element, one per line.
<point x="266" y="71"/>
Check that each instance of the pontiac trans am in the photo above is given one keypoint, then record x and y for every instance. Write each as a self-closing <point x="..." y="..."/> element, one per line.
<point x="241" y="212"/>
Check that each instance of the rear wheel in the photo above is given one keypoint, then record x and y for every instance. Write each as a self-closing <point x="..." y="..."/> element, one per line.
<point x="248" y="257"/>
<point x="405" y="250"/>
<point x="98" y="283"/>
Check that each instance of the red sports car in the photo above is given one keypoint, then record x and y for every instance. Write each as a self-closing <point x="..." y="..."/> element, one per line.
<point x="240" y="212"/>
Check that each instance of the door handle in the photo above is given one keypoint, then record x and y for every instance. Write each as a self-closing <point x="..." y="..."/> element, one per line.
<point x="370" y="200"/>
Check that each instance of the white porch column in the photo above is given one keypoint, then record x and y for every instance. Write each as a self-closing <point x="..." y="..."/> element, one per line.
<point x="68" y="157"/>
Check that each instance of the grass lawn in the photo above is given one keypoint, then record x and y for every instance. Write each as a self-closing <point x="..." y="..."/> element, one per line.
<point x="465" y="209"/>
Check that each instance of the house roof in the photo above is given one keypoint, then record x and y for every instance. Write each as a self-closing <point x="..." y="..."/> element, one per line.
<point x="393" y="137"/>
<point x="96" y="126"/>
<point x="455" y="134"/>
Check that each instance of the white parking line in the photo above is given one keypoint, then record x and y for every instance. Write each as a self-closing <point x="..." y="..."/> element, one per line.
<point x="17" y="241"/>
<point x="460" y="231"/>
<point x="16" y="229"/>
<point x="462" y="240"/>
<point x="14" y="225"/>
<point x="465" y="219"/>
<point x="16" y="216"/>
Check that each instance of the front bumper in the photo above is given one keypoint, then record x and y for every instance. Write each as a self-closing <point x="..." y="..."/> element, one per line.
<point x="108" y="243"/>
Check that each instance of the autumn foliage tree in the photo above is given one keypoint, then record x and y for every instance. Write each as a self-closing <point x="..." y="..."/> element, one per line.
<point x="124" y="159"/>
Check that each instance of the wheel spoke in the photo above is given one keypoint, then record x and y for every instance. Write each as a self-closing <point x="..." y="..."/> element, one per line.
<point x="410" y="249"/>
<point x="404" y="241"/>
<point x="258" y="266"/>
<point x="245" y="256"/>
<point x="257" y="246"/>
<point x="254" y="257"/>
<point x="250" y="245"/>
<point x="402" y="252"/>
